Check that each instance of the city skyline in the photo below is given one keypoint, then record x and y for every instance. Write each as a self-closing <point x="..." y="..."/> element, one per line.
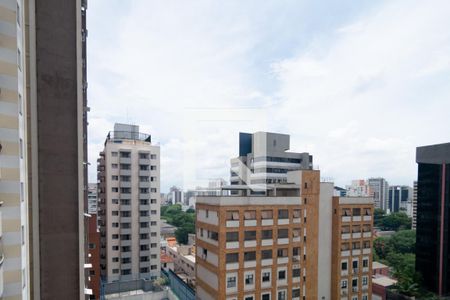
<point x="273" y="67"/>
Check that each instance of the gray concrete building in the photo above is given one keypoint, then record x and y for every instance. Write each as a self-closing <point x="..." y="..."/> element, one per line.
<point x="129" y="205"/>
<point x="43" y="148"/>
<point x="380" y="191"/>
<point x="264" y="159"/>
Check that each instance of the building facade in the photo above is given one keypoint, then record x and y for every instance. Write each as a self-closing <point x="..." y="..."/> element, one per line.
<point x="129" y="207"/>
<point x="260" y="246"/>
<point x="43" y="97"/>
<point x="264" y="159"/>
<point x="400" y="199"/>
<point x="414" y="206"/>
<point x="352" y="248"/>
<point x="433" y="217"/>
<point x="359" y="188"/>
<point x="93" y="280"/>
<point x="380" y="192"/>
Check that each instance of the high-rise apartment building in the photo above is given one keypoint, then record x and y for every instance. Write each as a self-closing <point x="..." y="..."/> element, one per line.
<point x="352" y="248"/>
<point x="380" y="192"/>
<point x="400" y="198"/>
<point x="359" y="188"/>
<point x="93" y="279"/>
<point x="414" y="206"/>
<point x="260" y="246"/>
<point x="264" y="158"/>
<point x="43" y="148"/>
<point x="284" y="242"/>
<point x="129" y="205"/>
<point x="433" y="217"/>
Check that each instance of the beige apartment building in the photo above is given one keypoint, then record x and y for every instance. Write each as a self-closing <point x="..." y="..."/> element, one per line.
<point x="43" y="148"/>
<point x="352" y="248"/>
<point x="282" y="240"/>
<point x="129" y="207"/>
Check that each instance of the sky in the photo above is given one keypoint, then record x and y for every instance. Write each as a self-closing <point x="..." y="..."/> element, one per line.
<point x="358" y="84"/>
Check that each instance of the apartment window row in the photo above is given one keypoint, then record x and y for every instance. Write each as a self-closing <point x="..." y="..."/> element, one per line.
<point x="355" y="264"/>
<point x="354" y="283"/>
<point x="356" y="228"/>
<point x="355" y="245"/>
<point x="233" y="215"/>
<point x="265" y="254"/>
<point x="209" y="234"/>
<point x="125" y="154"/>
<point x="356" y="212"/>
<point x="251" y="235"/>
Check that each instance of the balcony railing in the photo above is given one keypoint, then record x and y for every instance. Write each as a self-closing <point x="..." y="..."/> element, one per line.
<point x="128" y="135"/>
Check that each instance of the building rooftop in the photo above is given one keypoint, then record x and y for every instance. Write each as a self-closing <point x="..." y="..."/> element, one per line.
<point x="377" y="265"/>
<point x="383" y="281"/>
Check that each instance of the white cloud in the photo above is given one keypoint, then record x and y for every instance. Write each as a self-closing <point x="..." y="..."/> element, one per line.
<point x="360" y="97"/>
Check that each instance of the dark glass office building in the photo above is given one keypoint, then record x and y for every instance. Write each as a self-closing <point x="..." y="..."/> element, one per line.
<point x="433" y="217"/>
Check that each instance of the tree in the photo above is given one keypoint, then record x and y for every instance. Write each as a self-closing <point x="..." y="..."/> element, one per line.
<point x="382" y="247"/>
<point x="396" y="221"/>
<point x="403" y="241"/>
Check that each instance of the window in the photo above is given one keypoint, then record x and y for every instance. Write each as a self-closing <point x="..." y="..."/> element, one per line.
<point x="125" y="190"/>
<point x="143" y="224"/>
<point x="364" y="297"/>
<point x="143" y="258"/>
<point x="114" y="154"/>
<point x="296" y="213"/>
<point x="283" y="214"/>
<point x="365" y="263"/>
<point x="250" y="235"/>
<point x="366" y="244"/>
<point x="143" y="190"/>
<point x="296" y="232"/>
<point x="153" y="212"/>
<point x="249" y="256"/>
<point x="250" y="215"/>
<point x="265" y="296"/>
<point x="143" y="167"/>
<point x="114" y="166"/>
<point x="265" y="277"/>
<point x="296" y="293"/>
<point x="233" y="236"/>
<point x="282" y="252"/>
<point x="231" y="282"/>
<point x="356" y="245"/>
<point x="346" y="212"/>
<point x="153" y="156"/>
<point x="153" y="267"/>
<point x="344" y="266"/>
<point x="281" y="295"/>
<point x="232" y="215"/>
<point x="144" y="247"/>
<point x="283" y="233"/>
<point x="115" y="236"/>
<point x="267" y="214"/>
<point x="115" y="248"/>
<point x="364" y="280"/>
<point x="143" y="201"/>
<point x="282" y="275"/>
<point x="266" y="254"/>
<point x="126" y="272"/>
<point x="367" y="212"/>
<point x="143" y="236"/>
<point x="125" y="166"/>
<point x="125" y="178"/>
<point x="19" y="59"/>
<point x="143" y="213"/>
<point x="356" y="229"/>
<point x="153" y="223"/>
<point x="296" y="251"/>
<point x="343" y="284"/>
<point x="115" y="271"/>
<point x="125" y="214"/>
<point x="232" y="257"/>
<point x="153" y="168"/>
<point x="266" y="234"/>
<point x="153" y="178"/>
<point x="115" y="190"/>
<point x="115" y="259"/>
<point x="152" y="201"/>
<point x="20" y="104"/>
<point x="249" y="298"/>
<point x="356" y="212"/>
<point x="115" y="224"/>
<point x="296" y="272"/>
<point x="115" y="201"/>
<point x="153" y="190"/>
<point x="355" y="283"/>
<point x="249" y="279"/>
<point x="144" y="270"/>
<point x="143" y="155"/>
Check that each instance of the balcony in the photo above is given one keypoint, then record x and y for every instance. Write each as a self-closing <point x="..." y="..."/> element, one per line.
<point x="296" y="239"/>
<point x="125" y="184"/>
<point x="367" y="251"/>
<point x="232" y="266"/>
<point x="144" y="161"/>
<point x="367" y="234"/>
<point x="355" y="271"/>
<point x="266" y="262"/>
<point x="144" y="184"/>
<point x="232" y="223"/>
<point x="297" y="220"/>
<point x="144" y="218"/>
<point x="356" y="252"/>
<point x="125" y="160"/>
<point x="249" y="244"/>
<point x="125" y="172"/>
<point x="144" y="172"/>
<point x="125" y="219"/>
<point x="356" y="235"/>
<point x="266" y="222"/>
<point x="250" y="264"/>
<point x="283" y="241"/>
<point x="125" y="242"/>
<point x="367" y="218"/>
<point x="355" y="289"/>
<point x="345" y="253"/>
<point x="267" y="242"/>
<point x="282" y="260"/>
<point x="345" y="236"/>
<point x="356" y="218"/>
<point x="125" y="230"/>
<point x="249" y="222"/>
<point x="232" y="245"/>
<point x="283" y="221"/>
<point x="128" y="135"/>
<point x="346" y="219"/>
<point x="144" y="207"/>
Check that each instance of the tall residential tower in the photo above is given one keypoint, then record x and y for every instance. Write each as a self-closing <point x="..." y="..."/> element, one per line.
<point x="129" y="208"/>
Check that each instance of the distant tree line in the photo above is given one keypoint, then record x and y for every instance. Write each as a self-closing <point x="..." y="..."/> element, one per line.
<point x="394" y="221"/>
<point x="184" y="221"/>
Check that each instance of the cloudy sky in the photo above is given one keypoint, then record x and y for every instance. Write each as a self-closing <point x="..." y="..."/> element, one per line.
<point x="358" y="84"/>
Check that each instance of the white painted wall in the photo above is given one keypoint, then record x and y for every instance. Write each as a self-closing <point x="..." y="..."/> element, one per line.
<point x="325" y="236"/>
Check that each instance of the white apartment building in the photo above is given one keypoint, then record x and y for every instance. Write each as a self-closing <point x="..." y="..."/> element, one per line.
<point x="129" y="208"/>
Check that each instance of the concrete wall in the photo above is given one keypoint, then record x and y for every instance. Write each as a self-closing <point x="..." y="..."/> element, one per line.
<point x="325" y="231"/>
